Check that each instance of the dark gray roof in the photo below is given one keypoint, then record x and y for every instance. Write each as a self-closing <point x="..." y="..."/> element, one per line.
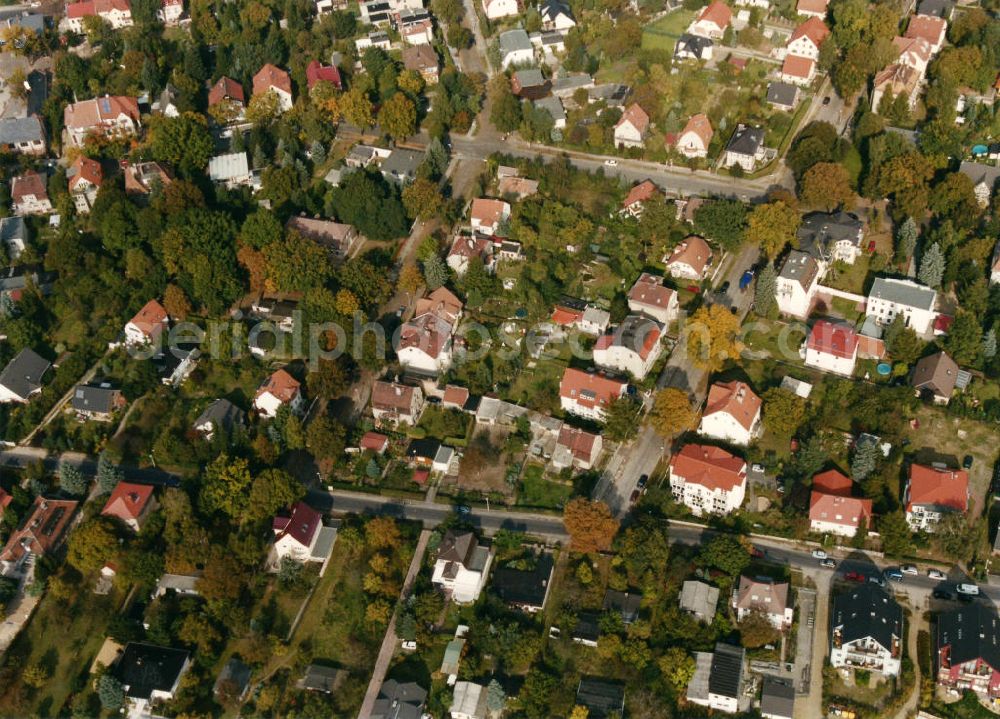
<point x="587" y="627"/>
<point x="726" y="676"/>
<point x="820" y="229"/>
<point x="524" y="587"/>
<point x="21" y="129"/>
<point x="93" y="398"/>
<point x="937" y="372"/>
<point x="978" y="172"/>
<point x="530" y="77"/>
<point x="17" y="278"/>
<point x="223" y="415"/>
<point x="867" y="611"/>
<point x="553" y="106"/>
<point x="935" y="8"/>
<point x="235" y="672"/>
<point x="903" y="292"/>
<point x="514" y="40"/>
<point x="601" y="697"/>
<point x="777" y="698"/>
<point x="746" y="140"/>
<point x="551" y="9"/>
<point x="457" y="546"/>
<point x="320" y="679"/>
<point x="799" y="267"/>
<point x="23" y="374"/>
<point x="625" y="603"/>
<point x="694" y="44"/>
<point x="27" y="20"/>
<point x="782" y="93"/>
<point x="423" y="449"/>
<point x="568" y="84"/>
<point x="13" y="228"/>
<point x="402" y="164"/>
<point x="145" y="668"/>
<point x="398" y="700"/>
<point x="970" y="632"/>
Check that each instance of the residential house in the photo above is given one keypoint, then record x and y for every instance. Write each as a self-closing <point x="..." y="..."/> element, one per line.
<point x="131" y="503"/>
<point x="220" y="416"/>
<point x="713" y="21"/>
<point x="150" y="674"/>
<point x="21" y="379"/>
<point x="142" y="178"/>
<point x="14" y="236"/>
<point x="708" y="479"/>
<point x="496" y="9"/>
<point x="866" y="630"/>
<point x="556" y="15"/>
<point x="425" y="342"/>
<point x="378" y="38"/>
<point x="931" y="493"/>
<point x="488" y="216"/>
<point x="798" y="70"/>
<point x="832" y="347"/>
<point x="273" y="79"/>
<point x="462" y="566"/>
<point x="318" y="72"/>
<point x="373" y="442"/>
<point x="515" y="47"/>
<point x="764" y="595"/>
<point x="277" y="391"/>
<point x="812" y="8"/>
<point x="587" y="394"/>
<point x="394" y="403"/>
<point x="301" y="536"/>
<point x="39" y="533"/>
<point x="695" y="138"/>
<point x="699" y="599"/>
<point x="22" y="135"/>
<point x="690" y="260"/>
<point x="894" y="80"/>
<point x="967" y="651"/>
<point x="601" y="698"/>
<point x="889" y="297"/>
<point x="232" y="170"/>
<point x="525" y="589"/>
<point x="632" y="127"/>
<point x="576" y="448"/>
<point x="807" y="39"/>
<point x="147" y="326"/>
<point x="85" y="180"/>
<point x="934" y="377"/>
<point x="530" y="84"/>
<point x="30" y="195"/>
<point x="633" y="347"/>
<point x="650" y="297"/>
<point x="936" y="8"/>
<point x="111" y="116"/>
<point x="401" y="165"/>
<point x="421" y="452"/>
<point x="796" y="284"/>
<point x="465" y="248"/>
<point x="517" y="187"/>
<point x="337" y="238"/>
<point x="468" y="701"/>
<point x="745" y="148"/>
<point x="553" y="105"/>
<point x="227" y="95"/>
<point x="831" y="237"/>
<point x="777" y="696"/>
<point x="417" y="33"/>
<point x="984" y="180"/>
<point x="638" y="196"/>
<point x="732" y="413"/>
<point x="693" y="47"/>
<point x="97" y="402"/>
<point x="782" y="95"/>
<point x="565" y="85"/>
<point x="452" y="660"/>
<point x="170" y="12"/>
<point x="117" y="13"/>
<point x="930" y="28"/>
<point x="625" y="604"/>
<point x="422" y="59"/>
<point x="233" y="682"/>
<point x="719" y="678"/>
<point x="914" y="52"/>
<point x="576" y="314"/>
<point x="832" y="509"/>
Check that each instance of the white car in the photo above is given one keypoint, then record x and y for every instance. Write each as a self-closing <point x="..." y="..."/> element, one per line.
<point x="908" y="569"/>
<point x="611" y="163"/>
<point x="819" y="554"/>
<point x="936" y="574"/>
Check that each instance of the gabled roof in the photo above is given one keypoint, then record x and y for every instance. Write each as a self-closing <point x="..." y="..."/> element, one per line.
<point x="23" y="374"/>
<point x="84" y="169"/>
<point x="781" y="93"/>
<point x="95" y="398"/>
<point x="41" y="530"/>
<point x="701" y="126"/>
<point x="301" y="526"/>
<point x="149" y="320"/>
<point x="641" y="193"/>
<point x="938" y="373"/>
<point x="636" y="333"/>
<point x="946" y="488"/>
<point x="21" y="129"/>
<point x="917" y="46"/>
<point x="589" y="389"/>
<point x="317" y="72"/>
<point x="837" y="509"/>
<point x="269" y="77"/>
<point x="969" y="633"/>
<point x="833" y="338"/>
<point x="487" y="211"/>
<point x="833" y="482"/>
<point x="420" y="58"/>
<point x="221" y="414"/>
<point x="86" y="8"/>
<point x="717" y="12"/>
<point x="708" y="466"/>
<point x="30" y="183"/>
<point x="226" y="89"/>
<point x="145" y="668"/>
<point x="635" y="116"/>
<point x="800" y="267"/>
<point x="903" y="292"/>
<point x="735" y="399"/>
<point x="373" y="441"/>
<point x="764" y="594"/>
<point x="457" y="547"/>
<point x="815" y="6"/>
<point x="777" y="697"/>
<point x="128" y="501"/>
<point x="88" y="114"/>
<point x="797" y="66"/>
<point x="867" y="611"/>
<point x="726" y="677"/>
<point x="930" y="28"/>
<point x="601" y="697"/>
<point x="649" y="291"/>
<point x="693" y="251"/>
<point x="392" y="395"/>
<point x="399" y="700"/>
<point x="814" y="29"/>
<point x="281" y="385"/>
<point x="580" y="443"/>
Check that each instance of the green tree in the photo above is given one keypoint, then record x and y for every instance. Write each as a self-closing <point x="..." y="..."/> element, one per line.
<point x="902" y="342"/>
<point x="111" y="692"/>
<point x="772" y="227"/>
<point x="906" y="240"/>
<point x="989" y="344"/>
<point x="765" y="292"/>
<point x="272" y="490"/>
<point x="826" y="185"/>
<point x="422" y="199"/>
<point x="964" y="339"/>
<point x="398" y="116"/>
<point x="784" y="411"/>
<point x="895" y="534"/>
<point x="505" y="111"/>
<point x="756" y="630"/>
<point x="328" y="380"/>
<point x="621" y="419"/>
<point x="92" y="544"/>
<point x="183" y="141"/>
<point x="865" y="461"/>
<point x="435" y="272"/>
<point x="108" y="474"/>
<point x="225" y="486"/>
<point x="932" y="266"/>
<point x="722" y="221"/>
<point x="71" y="479"/>
<point x="367" y="202"/>
<point x="725" y="553"/>
<point x="677" y="668"/>
<point x="712" y="337"/>
<point x="326" y="438"/>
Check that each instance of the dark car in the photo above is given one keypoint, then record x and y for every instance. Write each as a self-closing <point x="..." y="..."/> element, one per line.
<point x="643" y="479"/>
<point x="854" y="577"/>
<point x="433" y="400"/>
<point x="941" y="594"/>
<point x="724" y="288"/>
<point x="826" y="100"/>
<point x="635" y="496"/>
<point x="967" y="462"/>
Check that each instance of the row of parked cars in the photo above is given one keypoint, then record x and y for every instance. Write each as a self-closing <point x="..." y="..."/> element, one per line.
<point x="896" y="574"/>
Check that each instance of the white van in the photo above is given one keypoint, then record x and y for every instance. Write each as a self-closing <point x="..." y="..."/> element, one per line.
<point x="970" y="589"/>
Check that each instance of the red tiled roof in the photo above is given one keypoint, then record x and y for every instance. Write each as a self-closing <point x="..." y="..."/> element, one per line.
<point x="709" y="466"/>
<point x="30" y="183"/>
<point x="832" y="482"/>
<point x="88" y="114"/>
<point x="420" y="476"/>
<point x="128" y="501"/>
<point x="149" y="320"/>
<point x="85" y="169"/>
<point x="832" y="338"/>
<point x="390" y="395"/>
<point x="87" y="8"/>
<point x="577" y="441"/>
<point x="938" y="487"/>
<point x="814" y="29"/>
<point x="5" y="499"/>
<point x="225" y="88"/>
<point x="797" y="66"/>
<point x="916" y="45"/>
<point x="649" y="290"/>
<point x="281" y="385"/>
<point x="636" y="116"/>
<point x="316" y="72"/>
<point x="488" y="212"/>
<point x="718" y="13"/>
<point x="453" y="394"/>
<point x="565" y="316"/>
<point x="374" y="441"/>
<point x="301" y="526"/>
<point x="701" y="126"/>
<point x="441" y="302"/>
<point x="41" y="530"/>
<point x="818" y="6"/>
<point x="928" y="27"/>
<point x="640" y="193"/>
<point x="270" y="76"/>
<point x="589" y="390"/>
<point x="735" y="399"/>
<point x="827" y="508"/>
<point x="693" y="251"/>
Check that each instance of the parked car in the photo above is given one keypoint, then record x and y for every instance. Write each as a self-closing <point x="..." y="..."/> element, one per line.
<point x="724" y="288"/>
<point x="828" y="563"/>
<point x="746" y="279"/>
<point x="908" y="569"/>
<point x="643" y="479"/>
<point x="819" y="554"/>
<point x="463" y="509"/>
<point x="941" y="594"/>
<point x="893" y="575"/>
<point x="635" y="496"/>
<point x="936" y="574"/>
<point x="967" y="462"/>
<point x="875" y="579"/>
<point x="854" y="577"/>
<point x="757" y="552"/>
<point x="757" y="468"/>
<point x="611" y="163"/>
<point x="970" y="590"/>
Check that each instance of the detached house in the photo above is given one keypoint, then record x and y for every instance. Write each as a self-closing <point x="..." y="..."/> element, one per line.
<point x="422" y="59"/>
<point x="21" y="379"/>
<point x="14" y="236"/>
<point x="713" y="21"/>
<point x="934" y="377"/>
<point x="763" y="594"/>
<point x="832" y="509"/>
<point x="301" y="536"/>
<point x="632" y="127"/>
<point x="273" y="79"/>
<point x="496" y="9"/>
<point x="633" y="347"/>
<point x="556" y="15"/>
<point x="895" y="80"/>
<point x="22" y="135"/>
<point x="525" y="588"/>
<point x="467" y="247"/>
<point x="40" y="533"/>
<point x="220" y="416"/>
<point x="337" y="238"/>
<point x="150" y="674"/>
<point x="812" y="8"/>
<point x="487" y="216"/>
<point x="317" y="72"/>
<point x="889" y="297"/>
<point x="832" y="347"/>
<point x="914" y="52"/>
<point x="931" y="492"/>
<point x="588" y="395"/>
<point x="111" y="116"/>
<point x="695" y="138"/>
<point x="97" y="402"/>
<point x="425" y="342"/>
<point x="796" y="284"/>
<point x="732" y="413"/>
<point x="650" y="297"/>
<point x="227" y="95"/>
<point x="396" y="403"/>
<point x="515" y="46"/>
<point x="117" y="13"/>
<point x="798" y="70"/>
<point x="147" y="326"/>
<point x="929" y="28"/>
<point x="576" y="448"/>
<point x="85" y="180"/>
<point x="866" y="630"/>
<point x="277" y="391"/>
<point x="131" y="503"/>
<point x="693" y="47"/>
<point x="638" y="196"/>
<point x="745" y="148"/>
<point x="462" y="566"/>
<point x="719" y="679"/>
<point x="30" y="195"/>
<point x="984" y="179"/>
<point x="807" y="39"/>
<point x="708" y="479"/>
<point x="831" y="237"/>
<point x="967" y="651"/>
<point x="170" y="12"/>
<point x="690" y="260"/>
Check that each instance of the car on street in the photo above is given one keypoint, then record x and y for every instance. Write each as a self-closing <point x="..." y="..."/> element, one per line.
<point x="643" y="479"/>
<point x="908" y="569"/>
<point x="611" y="163"/>
<point x="875" y="579"/>
<point x="746" y="279"/>
<point x="828" y="563"/>
<point x="757" y="552"/>
<point x="967" y="462"/>
<point x="463" y="509"/>
<point x="724" y="288"/>
<point x="936" y="574"/>
<point x="757" y="468"/>
<point x="635" y="496"/>
<point x="854" y="577"/>
<point x="941" y="594"/>
<point x="826" y="100"/>
<point x="819" y="554"/>
<point x="893" y="575"/>
<point x="969" y="590"/>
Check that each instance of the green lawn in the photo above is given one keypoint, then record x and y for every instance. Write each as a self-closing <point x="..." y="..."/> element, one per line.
<point x="850" y="278"/>
<point x="662" y="34"/>
<point x="536" y="491"/>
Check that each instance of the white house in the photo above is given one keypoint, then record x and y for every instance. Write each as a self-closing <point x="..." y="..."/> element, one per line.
<point x="719" y="679"/>
<point x="462" y="566"/>
<point x="866" y="630"/>
<point x="496" y="9"/>
<point x="587" y="395"/>
<point x="984" y="180"/>
<point x="650" y="297"/>
<point x="632" y="127"/>
<point x="915" y="302"/>
<point x="708" y="479"/>
<point x="932" y="492"/>
<point x="689" y="260"/>
<point x="396" y="403"/>
<point x="732" y="413"/>
<point x="695" y="137"/>
<point x="745" y="148"/>
<point x="150" y="675"/>
<point x="466" y="247"/>
<point x="795" y="287"/>
<point x="838" y="514"/>
<point x="29" y="195"/>
<point x="812" y="8"/>
<point x="147" y="326"/>
<point x="425" y="342"/>
<point x="713" y="21"/>
<point x="469" y="701"/>
<point x="832" y="347"/>
<point x="299" y="536"/>
<point x="111" y="116"/>
<point x="85" y="179"/>
<point x="487" y="216"/>
<point x="763" y="594"/>
<point x="914" y="52"/>
<point x="278" y="390"/>
<point x="21" y="379"/>
<point x="693" y="47"/>
<point x="807" y="39"/>
<point x="831" y="237"/>
<point x="233" y="170"/>
<point x="273" y="79"/>
<point x="117" y="13"/>
<point x="633" y="347"/>
<point x="556" y="15"/>
<point x="515" y="47"/>
<point x="170" y="12"/>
